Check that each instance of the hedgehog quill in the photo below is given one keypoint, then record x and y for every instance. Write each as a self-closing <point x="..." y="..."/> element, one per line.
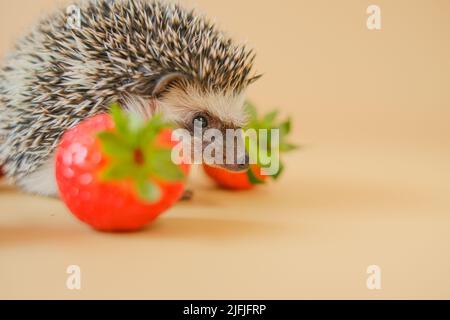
<point x="149" y="56"/>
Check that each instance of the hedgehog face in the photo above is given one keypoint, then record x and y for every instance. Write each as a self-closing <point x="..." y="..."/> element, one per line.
<point x="189" y="106"/>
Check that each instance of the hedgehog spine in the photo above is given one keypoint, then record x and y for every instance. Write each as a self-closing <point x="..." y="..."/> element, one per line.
<point x="157" y="55"/>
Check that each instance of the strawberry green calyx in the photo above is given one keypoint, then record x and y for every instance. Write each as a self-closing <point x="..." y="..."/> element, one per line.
<point x="135" y="155"/>
<point x="253" y="178"/>
<point x="268" y="122"/>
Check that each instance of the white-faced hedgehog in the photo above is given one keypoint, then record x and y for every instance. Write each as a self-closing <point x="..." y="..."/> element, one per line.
<point x="148" y="55"/>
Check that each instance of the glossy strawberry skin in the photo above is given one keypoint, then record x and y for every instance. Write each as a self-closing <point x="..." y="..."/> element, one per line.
<point x="106" y="206"/>
<point x="233" y="180"/>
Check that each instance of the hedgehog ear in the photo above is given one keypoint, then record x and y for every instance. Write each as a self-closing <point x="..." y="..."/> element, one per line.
<point x="163" y="82"/>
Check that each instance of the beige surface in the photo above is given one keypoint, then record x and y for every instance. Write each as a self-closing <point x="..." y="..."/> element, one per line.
<point x="371" y="186"/>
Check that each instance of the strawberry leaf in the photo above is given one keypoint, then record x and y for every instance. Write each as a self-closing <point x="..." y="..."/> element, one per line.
<point x="148" y="191"/>
<point x="160" y="164"/>
<point x="150" y="131"/>
<point x="113" y="145"/>
<point x="251" y="111"/>
<point x="253" y="178"/>
<point x="286" y="147"/>
<point x="269" y="118"/>
<point x="120" y="118"/>
<point x="285" y="128"/>
<point x="135" y="122"/>
<point x="135" y="155"/>
<point x="115" y="171"/>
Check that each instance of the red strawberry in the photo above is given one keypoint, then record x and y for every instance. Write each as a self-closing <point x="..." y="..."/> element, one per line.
<point x="235" y="180"/>
<point x="253" y="176"/>
<point x="115" y="173"/>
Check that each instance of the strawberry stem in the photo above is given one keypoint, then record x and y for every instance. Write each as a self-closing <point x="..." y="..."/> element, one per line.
<point x="139" y="157"/>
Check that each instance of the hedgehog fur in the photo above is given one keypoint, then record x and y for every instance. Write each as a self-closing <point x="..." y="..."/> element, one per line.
<point x="149" y="55"/>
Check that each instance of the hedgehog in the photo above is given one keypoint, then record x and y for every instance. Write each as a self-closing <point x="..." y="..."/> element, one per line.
<point x="148" y="55"/>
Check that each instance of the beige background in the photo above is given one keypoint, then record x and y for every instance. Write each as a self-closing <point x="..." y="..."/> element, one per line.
<point x="371" y="185"/>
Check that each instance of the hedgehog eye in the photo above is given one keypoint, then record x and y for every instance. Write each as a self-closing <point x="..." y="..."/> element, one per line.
<point x="200" y="121"/>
